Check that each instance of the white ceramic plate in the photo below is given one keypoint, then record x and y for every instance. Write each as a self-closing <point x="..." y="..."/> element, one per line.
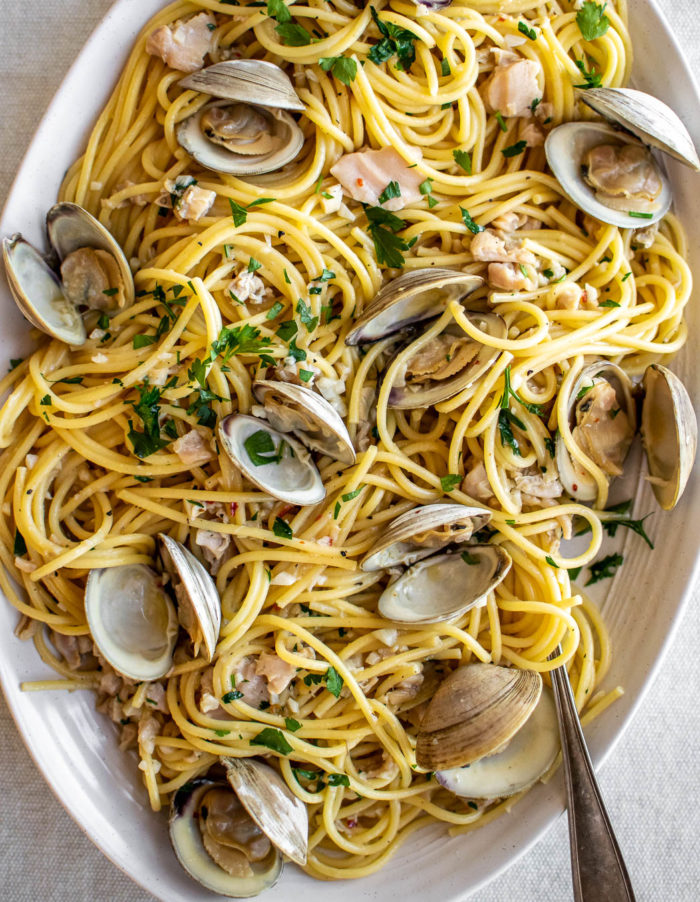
<point x="75" y="748"/>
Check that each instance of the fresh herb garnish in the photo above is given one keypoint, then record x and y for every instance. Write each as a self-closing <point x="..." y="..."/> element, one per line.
<point x="509" y="392"/>
<point x="592" y="21"/>
<point x="515" y="149"/>
<point x="20" y="546"/>
<point x="463" y="159"/>
<point x="388" y="245"/>
<point x="395" y="40"/>
<point x="473" y="227"/>
<point x="338" y="780"/>
<point x="291" y="724"/>
<point x="528" y="32"/>
<point x="282" y="529"/>
<point x="147" y="408"/>
<point x="304" y="310"/>
<point x="231" y="696"/>
<point x="450" y="482"/>
<point x="592" y="78"/>
<point x="501" y="122"/>
<point x="608" y="303"/>
<point x="262" y="450"/>
<point x="637" y="215"/>
<point x="272" y="739"/>
<point x="604" y="568"/>
<point x="334" y="681"/>
<point x="393" y="189"/>
<point x="341" y="67"/>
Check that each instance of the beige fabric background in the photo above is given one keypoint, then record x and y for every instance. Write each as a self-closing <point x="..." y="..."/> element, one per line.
<point x="650" y="785"/>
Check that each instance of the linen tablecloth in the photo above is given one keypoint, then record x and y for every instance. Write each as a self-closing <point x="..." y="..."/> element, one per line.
<point x="649" y="784"/>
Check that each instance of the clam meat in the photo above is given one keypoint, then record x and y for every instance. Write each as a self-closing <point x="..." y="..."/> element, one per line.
<point x="94" y="274"/>
<point x="247" y="130"/>
<point x="435" y="367"/>
<point x="230" y="831"/>
<point x="608" y="170"/>
<point x="488" y="731"/>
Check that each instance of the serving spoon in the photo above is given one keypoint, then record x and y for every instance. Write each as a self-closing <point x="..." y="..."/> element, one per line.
<point x="597" y="868"/>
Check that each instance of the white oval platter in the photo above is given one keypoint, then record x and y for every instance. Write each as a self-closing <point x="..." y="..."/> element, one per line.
<point x="75" y="748"/>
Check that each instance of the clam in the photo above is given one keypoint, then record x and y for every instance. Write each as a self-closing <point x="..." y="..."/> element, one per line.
<point x="273" y="461"/>
<point x="603" y="423"/>
<point x="438" y="366"/>
<point x="247" y="130"/>
<point x="308" y="416"/>
<point x="445" y="585"/>
<point x="609" y="172"/>
<point x="476" y="732"/>
<point x="198" y="602"/>
<point x="435" y="587"/>
<point x="94" y="273"/>
<point x="132" y="620"/>
<point x="669" y="433"/>
<point x="230" y="833"/>
<point x="421" y="532"/>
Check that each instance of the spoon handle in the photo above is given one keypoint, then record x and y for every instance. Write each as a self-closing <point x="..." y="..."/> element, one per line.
<point x="598" y="871"/>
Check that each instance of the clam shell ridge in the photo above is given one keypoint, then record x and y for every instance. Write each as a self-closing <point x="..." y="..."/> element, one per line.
<point x="474" y="711"/>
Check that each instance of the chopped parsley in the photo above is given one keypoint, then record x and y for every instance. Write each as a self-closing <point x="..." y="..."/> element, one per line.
<point x="338" y="780"/>
<point x="393" y="189"/>
<point x="450" y="482"/>
<point x="231" y="696"/>
<point x="604" y="568"/>
<point x="527" y="31"/>
<point x="395" y="40"/>
<point x="445" y="67"/>
<point x="501" y="122"/>
<point x="515" y="149"/>
<point x="506" y="421"/>
<point x="388" y="246"/>
<point x="473" y="227"/>
<point x="341" y="67"/>
<point x="308" y="321"/>
<point x="635" y="214"/>
<point x="334" y="681"/>
<point x="147" y="408"/>
<point x="426" y="189"/>
<point x="20" y="546"/>
<point x="591" y="79"/>
<point x="291" y="724"/>
<point x="608" y="303"/>
<point x="276" y="308"/>
<point x="291" y="34"/>
<point x="463" y="159"/>
<point x="262" y="450"/>
<point x="238" y="213"/>
<point x="272" y="739"/>
<point x="509" y="392"/>
<point x="592" y="21"/>
<point x="282" y="529"/>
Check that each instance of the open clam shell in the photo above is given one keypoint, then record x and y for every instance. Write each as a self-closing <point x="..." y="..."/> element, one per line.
<point x="607" y="437"/>
<point x="247" y="131"/>
<point x="248" y="81"/>
<point x="281" y="816"/>
<point x="71" y="228"/>
<point x="278" y="464"/>
<point x="567" y="147"/>
<point x="132" y="621"/>
<point x="476" y="709"/>
<point x="647" y="117"/>
<point x="204" y="847"/>
<point x="525" y="758"/>
<point x="412" y="298"/>
<point x="38" y="293"/>
<point x="199" y="605"/>
<point x="445" y="585"/>
<point x="440" y="367"/>
<point x="308" y="416"/>
<point x="421" y="532"/>
<point x="669" y="432"/>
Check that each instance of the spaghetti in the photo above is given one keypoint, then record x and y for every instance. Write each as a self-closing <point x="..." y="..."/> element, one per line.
<point x="76" y="497"/>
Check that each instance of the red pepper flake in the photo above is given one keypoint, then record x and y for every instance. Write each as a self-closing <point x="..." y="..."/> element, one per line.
<point x="574" y="487"/>
<point x="234" y="508"/>
<point x="360" y="182"/>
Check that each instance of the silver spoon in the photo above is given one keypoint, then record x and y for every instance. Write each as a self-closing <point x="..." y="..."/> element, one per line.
<point x="598" y="871"/>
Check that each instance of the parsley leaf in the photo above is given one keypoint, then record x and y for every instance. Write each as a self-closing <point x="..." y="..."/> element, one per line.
<point x="341" y="67"/>
<point x="291" y="724"/>
<point x="592" y="21"/>
<point x="293" y="35"/>
<point x="592" y="79"/>
<point x="147" y="408"/>
<point x="304" y="310"/>
<point x="611" y="527"/>
<point x="334" y="681"/>
<point x="395" y="40"/>
<point x="338" y="780"/>
<point x="272" y="739"/>
<point x="241" y="340"/>
<point x="450" y="482"/>
<point x="261" y="449"/>
<point x="388" y="245"/>
<point x="238" y="213"/>
<point x="604" y="568"/>
<point x="393" y="189"/>
<point x="282" y="529"/>
<point x="515" y="149"/>
<point x="509" y="392"/>
<point x="231" y="696"/>
<point x="463" y="159"/>
<point x="473" y="227"/>
<point x="20" y="546"/>
<point x="506" y="421"/>
<point x="528" y="32"/>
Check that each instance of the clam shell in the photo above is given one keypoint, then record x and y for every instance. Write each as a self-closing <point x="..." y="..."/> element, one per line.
<point x="322" y="430"/>
<point x="186" y="840"/>
<point x="408" y="396"/>
<point x="526" y="758"/>
<point x="444" y="586"/>
<point x="566" y="147"/>
<point x="575" y="483"/>
<point x="38" y="293"/>
<point x="421" y="531"/>
<point x="281" y="816"/>
<point x="669" y="432"/>
<point x="295" y="479"/>
<point x="647" y="117"/>
<point x="474" y="711"/>
<point x="212" y="156"/>
<point x="70" y="227"/>
<point x="411" y="298"/>
<point x="132" y="621"/>
<point x="200" y="590"/>
<point x="248" y="81"/>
